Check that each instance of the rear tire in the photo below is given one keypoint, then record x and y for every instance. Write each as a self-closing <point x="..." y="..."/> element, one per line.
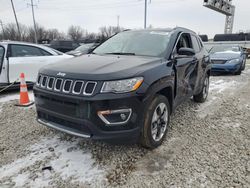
<point x="202" y="96"/>
<point x="156" y="122"/>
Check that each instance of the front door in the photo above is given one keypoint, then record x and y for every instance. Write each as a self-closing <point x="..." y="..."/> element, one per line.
<point x="3" y="67"/>
<point x="28" y="59"/>
<point x="186" y="70"/>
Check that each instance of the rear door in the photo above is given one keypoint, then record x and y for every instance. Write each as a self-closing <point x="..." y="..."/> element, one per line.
<point x="3" y="66"/>
<point x="28" y="59"/>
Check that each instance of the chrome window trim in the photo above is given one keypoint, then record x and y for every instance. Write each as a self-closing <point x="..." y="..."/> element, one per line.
<point x="89" y="94"/>
<point x="73" y="91"/>
<point x="44" y="86"/>
<point x="58" y="90"/>
<point x="52" y="83"/>
<point x="63" y="90"/>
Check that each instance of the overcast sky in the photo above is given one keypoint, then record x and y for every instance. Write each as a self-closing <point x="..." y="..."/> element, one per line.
<point x="92" y="14"/>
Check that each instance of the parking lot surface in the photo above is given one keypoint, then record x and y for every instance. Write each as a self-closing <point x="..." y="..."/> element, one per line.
<point x="208" y="146"/>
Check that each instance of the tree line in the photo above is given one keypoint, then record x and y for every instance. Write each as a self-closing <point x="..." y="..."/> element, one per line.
<point x="76" y="33"/>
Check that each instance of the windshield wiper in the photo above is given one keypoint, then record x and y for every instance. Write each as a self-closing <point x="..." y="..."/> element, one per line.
<point x="120" y="53"/>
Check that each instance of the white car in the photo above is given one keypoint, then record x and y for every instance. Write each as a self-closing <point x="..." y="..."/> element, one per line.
<point x="18" y="57"/>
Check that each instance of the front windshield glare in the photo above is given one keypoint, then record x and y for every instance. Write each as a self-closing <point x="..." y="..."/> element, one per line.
<point x="145" y="43"/>
<point x="225" y="49"/>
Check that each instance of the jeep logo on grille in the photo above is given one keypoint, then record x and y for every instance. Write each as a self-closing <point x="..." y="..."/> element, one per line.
<point x="61" y="74"/>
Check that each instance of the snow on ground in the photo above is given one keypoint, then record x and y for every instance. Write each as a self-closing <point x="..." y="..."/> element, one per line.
<point x="14" y="96"/>
<point x="221" y="85"/>
<point x="67" y="160"/>
<point x="10" y="96"/>
<point x="216" y="88"/>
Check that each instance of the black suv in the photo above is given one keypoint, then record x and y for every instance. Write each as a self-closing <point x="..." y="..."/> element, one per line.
<point x="127" y="88"/>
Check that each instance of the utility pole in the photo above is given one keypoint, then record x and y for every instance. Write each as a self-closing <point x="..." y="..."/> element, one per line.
<point x="34" y="21"/>
<point x="145" y="14"/>
<point x="1" y="23"/>
<point x="14" y="11"/>
<point x="118" y="21"/>
<point x="224" y="7"/>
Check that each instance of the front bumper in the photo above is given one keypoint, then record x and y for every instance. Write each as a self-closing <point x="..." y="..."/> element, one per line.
<point x="79" y="116"/>
<point x="226" y="67"/>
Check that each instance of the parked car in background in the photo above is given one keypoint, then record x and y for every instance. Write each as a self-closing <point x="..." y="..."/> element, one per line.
<point x="127" y="88"/>
<point x="64" y="45"/>
<point x="228" y="58"/>
<point x="83" y="49"/>
<point x="17" y="57"/>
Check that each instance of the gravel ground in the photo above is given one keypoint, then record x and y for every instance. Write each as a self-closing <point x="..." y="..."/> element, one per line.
<point x="208" y="146"/>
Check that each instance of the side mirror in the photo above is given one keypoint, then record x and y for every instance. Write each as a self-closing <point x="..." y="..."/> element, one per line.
<point x="186" y="52"/>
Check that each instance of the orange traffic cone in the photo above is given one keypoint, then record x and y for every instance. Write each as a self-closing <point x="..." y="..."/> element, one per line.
<point x="24" y="96"/>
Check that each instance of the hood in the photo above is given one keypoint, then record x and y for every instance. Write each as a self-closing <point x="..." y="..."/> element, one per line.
<point x="74" y="53"/>
<point x="101" y="67"/>
<point x="225" y="55"/>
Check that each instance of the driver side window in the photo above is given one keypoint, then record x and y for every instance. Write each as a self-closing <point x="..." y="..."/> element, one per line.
<point x="184" y="42"/>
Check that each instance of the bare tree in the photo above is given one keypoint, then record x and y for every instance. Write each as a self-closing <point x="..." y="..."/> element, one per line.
<point x="106" y="32"/>
<point x="76" y="32"/>
<point x="54" y="34"/>
<point x="11" y="32"/>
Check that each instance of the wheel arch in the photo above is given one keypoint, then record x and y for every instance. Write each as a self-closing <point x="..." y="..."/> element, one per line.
<point x="165" y="87"/>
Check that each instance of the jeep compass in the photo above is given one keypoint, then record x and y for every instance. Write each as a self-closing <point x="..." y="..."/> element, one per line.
<point x="127" y="88"/>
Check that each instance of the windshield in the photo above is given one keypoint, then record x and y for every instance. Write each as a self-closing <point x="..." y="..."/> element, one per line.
<point x="223" y="48"/>
<point x="56" y="51"/>
<point x="145" y="43"/>
<point x="84" y="47"/>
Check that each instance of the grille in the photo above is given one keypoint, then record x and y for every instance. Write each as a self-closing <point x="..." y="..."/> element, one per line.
<point x="50" y="83"/>
<point x="58" y="84"/>
<point x="39" y="78"/>
<point x="76" y="87"/>
<point x="67" y="86"/>
<point x="65" y="123"/>
<point x="44" y="81"/>
<point x="218" y="61"/>
<point x="89" y="88"/>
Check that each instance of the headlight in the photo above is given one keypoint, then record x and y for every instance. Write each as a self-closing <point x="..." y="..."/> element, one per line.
<point x="233" y="61"/>
<point x="122" y="86"/>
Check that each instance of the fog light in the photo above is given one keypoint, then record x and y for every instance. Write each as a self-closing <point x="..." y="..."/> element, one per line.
<point x="115" y="117"/>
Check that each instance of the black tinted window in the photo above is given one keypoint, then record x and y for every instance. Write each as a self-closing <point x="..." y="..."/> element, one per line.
<point x="25" y="51"/>
<point x="196" y="45"/>
<point x="1" y="56"/>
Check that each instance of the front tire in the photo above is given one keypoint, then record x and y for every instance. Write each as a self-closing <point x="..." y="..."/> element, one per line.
<point x="156" y="123"/>
<point x="202" y="96"/>
<point x="238" y="72"/>
<point x="243" y="67"/>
